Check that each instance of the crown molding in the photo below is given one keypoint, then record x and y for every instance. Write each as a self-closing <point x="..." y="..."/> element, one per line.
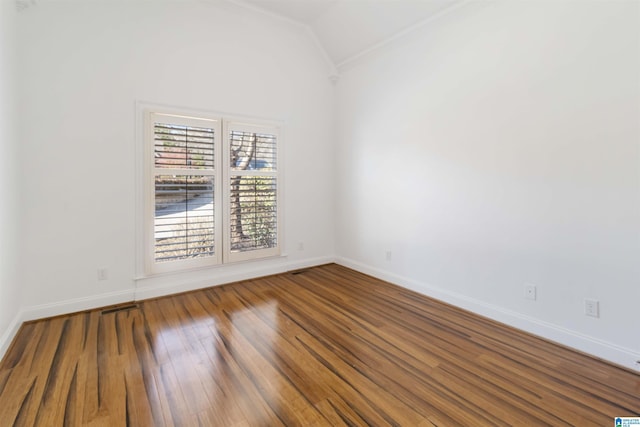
<point x="377" y="47"/>
<point x="333" y="71"/>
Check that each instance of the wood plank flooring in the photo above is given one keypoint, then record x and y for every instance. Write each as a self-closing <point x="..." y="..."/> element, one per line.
<point x="325" y="347"/>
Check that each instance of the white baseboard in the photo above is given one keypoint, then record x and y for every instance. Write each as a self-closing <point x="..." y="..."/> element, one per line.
<point x="41" y="311"/>
<point x="154" y="291"/>
<point x="598" y="348"/>
<point x="7" y="337"/>
<point x="584" y="343"/>
<point x="74" y="305"/>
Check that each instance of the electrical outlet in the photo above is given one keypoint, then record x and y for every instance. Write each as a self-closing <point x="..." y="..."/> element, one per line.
<point x="530" y="292"/>
<point x="103" y="274"/>
<point x="301" y="246"/>
<point x="388" y="255"/>
<point x="592" y="307"/>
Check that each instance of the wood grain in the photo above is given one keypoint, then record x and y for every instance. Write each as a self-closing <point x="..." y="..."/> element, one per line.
<point x="323" y="347"/>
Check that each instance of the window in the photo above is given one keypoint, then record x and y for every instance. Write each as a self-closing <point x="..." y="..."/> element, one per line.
<point x="252" y="192"/>
<point x="211" y="191"/>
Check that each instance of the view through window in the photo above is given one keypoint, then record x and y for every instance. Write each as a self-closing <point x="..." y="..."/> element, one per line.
<point x="211" y="192"/>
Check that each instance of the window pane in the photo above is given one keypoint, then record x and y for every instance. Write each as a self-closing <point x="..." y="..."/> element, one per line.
<point x="253" y="151"/>
<point x="184" y="217"/>
<point x="177" y="146"/>
<point x="253" y="219"/>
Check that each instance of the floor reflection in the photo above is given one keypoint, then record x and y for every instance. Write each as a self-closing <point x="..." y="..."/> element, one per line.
<point x="216" y="363"/>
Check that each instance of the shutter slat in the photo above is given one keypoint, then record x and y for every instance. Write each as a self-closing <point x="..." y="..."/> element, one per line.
<point x="253" y="223"/>
<point x="188" y="147"/>
<point x="184" y="221"/>
<point x="253" y="151"/>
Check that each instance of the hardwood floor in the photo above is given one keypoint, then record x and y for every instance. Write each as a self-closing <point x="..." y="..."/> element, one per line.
<point x="326" y="346"/>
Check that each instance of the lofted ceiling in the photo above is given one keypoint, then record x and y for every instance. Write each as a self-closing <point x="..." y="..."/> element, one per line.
<point x="344" y="29"/>
<point x="347" y="28"/>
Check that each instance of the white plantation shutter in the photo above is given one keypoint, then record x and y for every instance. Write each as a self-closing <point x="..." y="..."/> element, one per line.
<point x="183" y="233"/>
<point x="211" y="192"/>
<point x="252" y="230"/>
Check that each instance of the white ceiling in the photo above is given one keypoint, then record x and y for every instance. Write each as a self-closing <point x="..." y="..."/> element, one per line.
<point x="346" y="28"/>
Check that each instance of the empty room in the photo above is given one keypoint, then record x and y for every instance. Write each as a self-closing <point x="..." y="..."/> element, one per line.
<point x="319" y="213"/>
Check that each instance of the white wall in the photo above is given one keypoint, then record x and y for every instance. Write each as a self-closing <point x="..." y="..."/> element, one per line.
<point x="9" y="224"/>
<point x="498" y="146"/>
<point x="84" y="65"/>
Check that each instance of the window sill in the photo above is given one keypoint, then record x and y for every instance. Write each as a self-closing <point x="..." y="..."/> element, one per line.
<point x="196" y="270"/>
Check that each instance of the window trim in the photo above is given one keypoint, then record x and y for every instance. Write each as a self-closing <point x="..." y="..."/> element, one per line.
<point x="145" y="243"/>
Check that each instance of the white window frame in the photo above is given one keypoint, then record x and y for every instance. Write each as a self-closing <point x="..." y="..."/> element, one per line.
<point x="228" y="172"/>
<point x="222" y="125"/>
